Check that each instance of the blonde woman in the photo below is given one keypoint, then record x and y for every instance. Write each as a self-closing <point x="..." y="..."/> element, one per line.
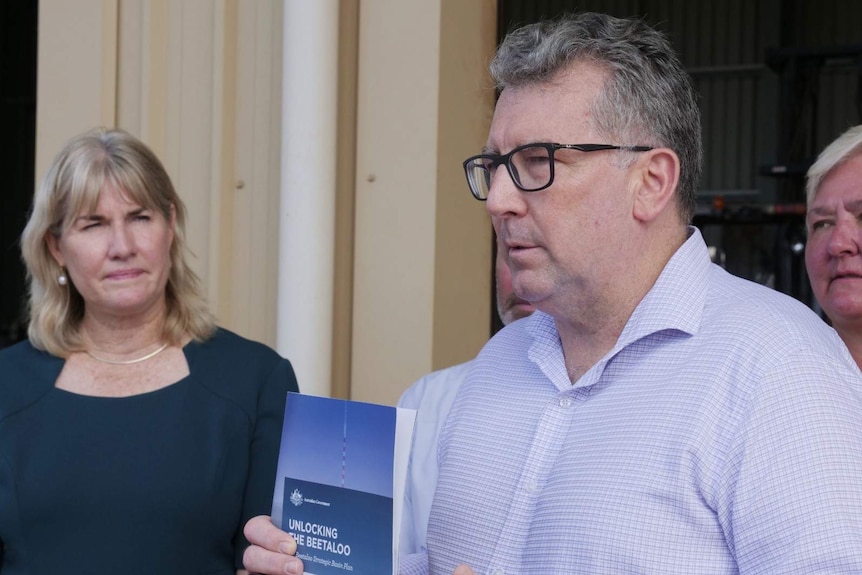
<point x="136" y="436"/>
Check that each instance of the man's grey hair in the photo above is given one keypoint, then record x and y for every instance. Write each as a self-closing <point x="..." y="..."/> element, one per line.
<point x="844" y="148"/>
<point x="647" y="99"/>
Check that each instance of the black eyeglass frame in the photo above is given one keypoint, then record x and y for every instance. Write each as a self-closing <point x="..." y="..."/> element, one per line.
<point x="506" y="159"/>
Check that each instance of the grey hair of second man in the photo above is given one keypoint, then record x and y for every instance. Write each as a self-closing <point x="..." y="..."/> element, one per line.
<point x="647" y="100"/>
<point x="843" y="148"/>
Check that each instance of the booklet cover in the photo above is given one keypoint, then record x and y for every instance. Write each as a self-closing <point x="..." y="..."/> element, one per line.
<point x="339" y="488"/>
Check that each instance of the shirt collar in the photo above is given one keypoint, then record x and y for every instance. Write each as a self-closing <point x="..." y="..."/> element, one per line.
<point x="676" y="300"/>
<point x="674" y="303"/>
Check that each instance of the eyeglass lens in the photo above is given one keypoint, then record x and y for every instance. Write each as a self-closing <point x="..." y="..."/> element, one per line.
<point x="529" y="167"/>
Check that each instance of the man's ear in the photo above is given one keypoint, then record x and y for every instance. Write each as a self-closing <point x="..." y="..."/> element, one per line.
<point x="657" y="175"/>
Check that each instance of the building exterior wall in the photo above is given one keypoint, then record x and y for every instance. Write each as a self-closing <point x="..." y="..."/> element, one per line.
<point x="200" y="82"/>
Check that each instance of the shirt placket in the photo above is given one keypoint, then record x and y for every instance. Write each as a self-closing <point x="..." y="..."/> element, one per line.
<point x="550" y="434"/>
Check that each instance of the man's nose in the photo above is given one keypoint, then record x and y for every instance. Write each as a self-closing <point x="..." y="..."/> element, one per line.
<point x="504" y="197"/>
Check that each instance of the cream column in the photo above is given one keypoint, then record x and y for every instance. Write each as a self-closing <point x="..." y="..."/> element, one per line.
<point x="306" y="221"/>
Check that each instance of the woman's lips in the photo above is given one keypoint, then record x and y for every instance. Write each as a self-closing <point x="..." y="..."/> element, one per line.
<point x="124" y="274"/>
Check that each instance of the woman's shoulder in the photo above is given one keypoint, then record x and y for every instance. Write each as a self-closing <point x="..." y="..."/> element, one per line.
<point x="227" y="356"/>
<point x="230" y="346"/>
<point x="17" y="349"/>
<point x="25" y="358"/>
<point x="26" y="373"/>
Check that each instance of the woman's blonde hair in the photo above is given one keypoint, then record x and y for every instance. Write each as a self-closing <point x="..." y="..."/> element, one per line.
<point x="73" y="183"/>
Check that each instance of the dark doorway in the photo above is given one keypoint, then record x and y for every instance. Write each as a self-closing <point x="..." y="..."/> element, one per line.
<point x="18" y="50"/>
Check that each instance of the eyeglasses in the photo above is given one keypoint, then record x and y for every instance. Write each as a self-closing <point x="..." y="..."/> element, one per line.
<point x="531" y="166"/>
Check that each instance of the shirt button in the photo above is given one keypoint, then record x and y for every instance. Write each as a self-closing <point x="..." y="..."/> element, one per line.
<point x="498" y="571"/>
<point x="565" y="402"/>
<point x="530" y="486"/>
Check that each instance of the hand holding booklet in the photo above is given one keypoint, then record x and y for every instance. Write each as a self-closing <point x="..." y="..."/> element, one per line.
<point x="339" y="487"/>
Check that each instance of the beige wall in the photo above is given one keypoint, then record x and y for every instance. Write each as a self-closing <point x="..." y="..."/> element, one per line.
<point x="422" y="249"/>
<point x="396" y="183"/>
<point x="199" y="81"/>
<point x="77" y="45"/>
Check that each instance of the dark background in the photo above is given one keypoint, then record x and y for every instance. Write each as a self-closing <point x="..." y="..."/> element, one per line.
<point x="777" y="80"/>
<point x="18" y="43"/>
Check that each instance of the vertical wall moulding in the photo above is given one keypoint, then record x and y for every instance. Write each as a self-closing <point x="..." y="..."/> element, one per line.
<point x="342" y="310"/>
<point x="222" y="151"/>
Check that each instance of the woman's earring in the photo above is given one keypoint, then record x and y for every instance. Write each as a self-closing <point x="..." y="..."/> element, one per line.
<point x="62" y="279"/>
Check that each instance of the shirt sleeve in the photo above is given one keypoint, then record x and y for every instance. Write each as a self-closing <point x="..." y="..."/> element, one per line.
<point x="409" y="538"/>
<point x="414" y="564"/>
<point x="791" y="498"/>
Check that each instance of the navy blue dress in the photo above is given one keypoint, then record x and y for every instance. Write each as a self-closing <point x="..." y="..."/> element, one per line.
<point x="160" y="482"/>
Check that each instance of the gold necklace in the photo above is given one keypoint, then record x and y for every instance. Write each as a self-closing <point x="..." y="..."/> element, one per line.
<point x="129" y="361"/>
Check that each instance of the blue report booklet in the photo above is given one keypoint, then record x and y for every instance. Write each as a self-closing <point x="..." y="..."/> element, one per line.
<point x="339" y="488"/>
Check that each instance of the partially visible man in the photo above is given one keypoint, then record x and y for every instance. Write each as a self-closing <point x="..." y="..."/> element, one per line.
<point x="833" y="254"/>
<point x="656" y="414"/>
<point x="432" y="397"/>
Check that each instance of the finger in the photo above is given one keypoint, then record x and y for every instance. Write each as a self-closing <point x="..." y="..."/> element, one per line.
<point x="463" y="570"/>
<point x="259" y="560"/>
<point x="260" y="531"/>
